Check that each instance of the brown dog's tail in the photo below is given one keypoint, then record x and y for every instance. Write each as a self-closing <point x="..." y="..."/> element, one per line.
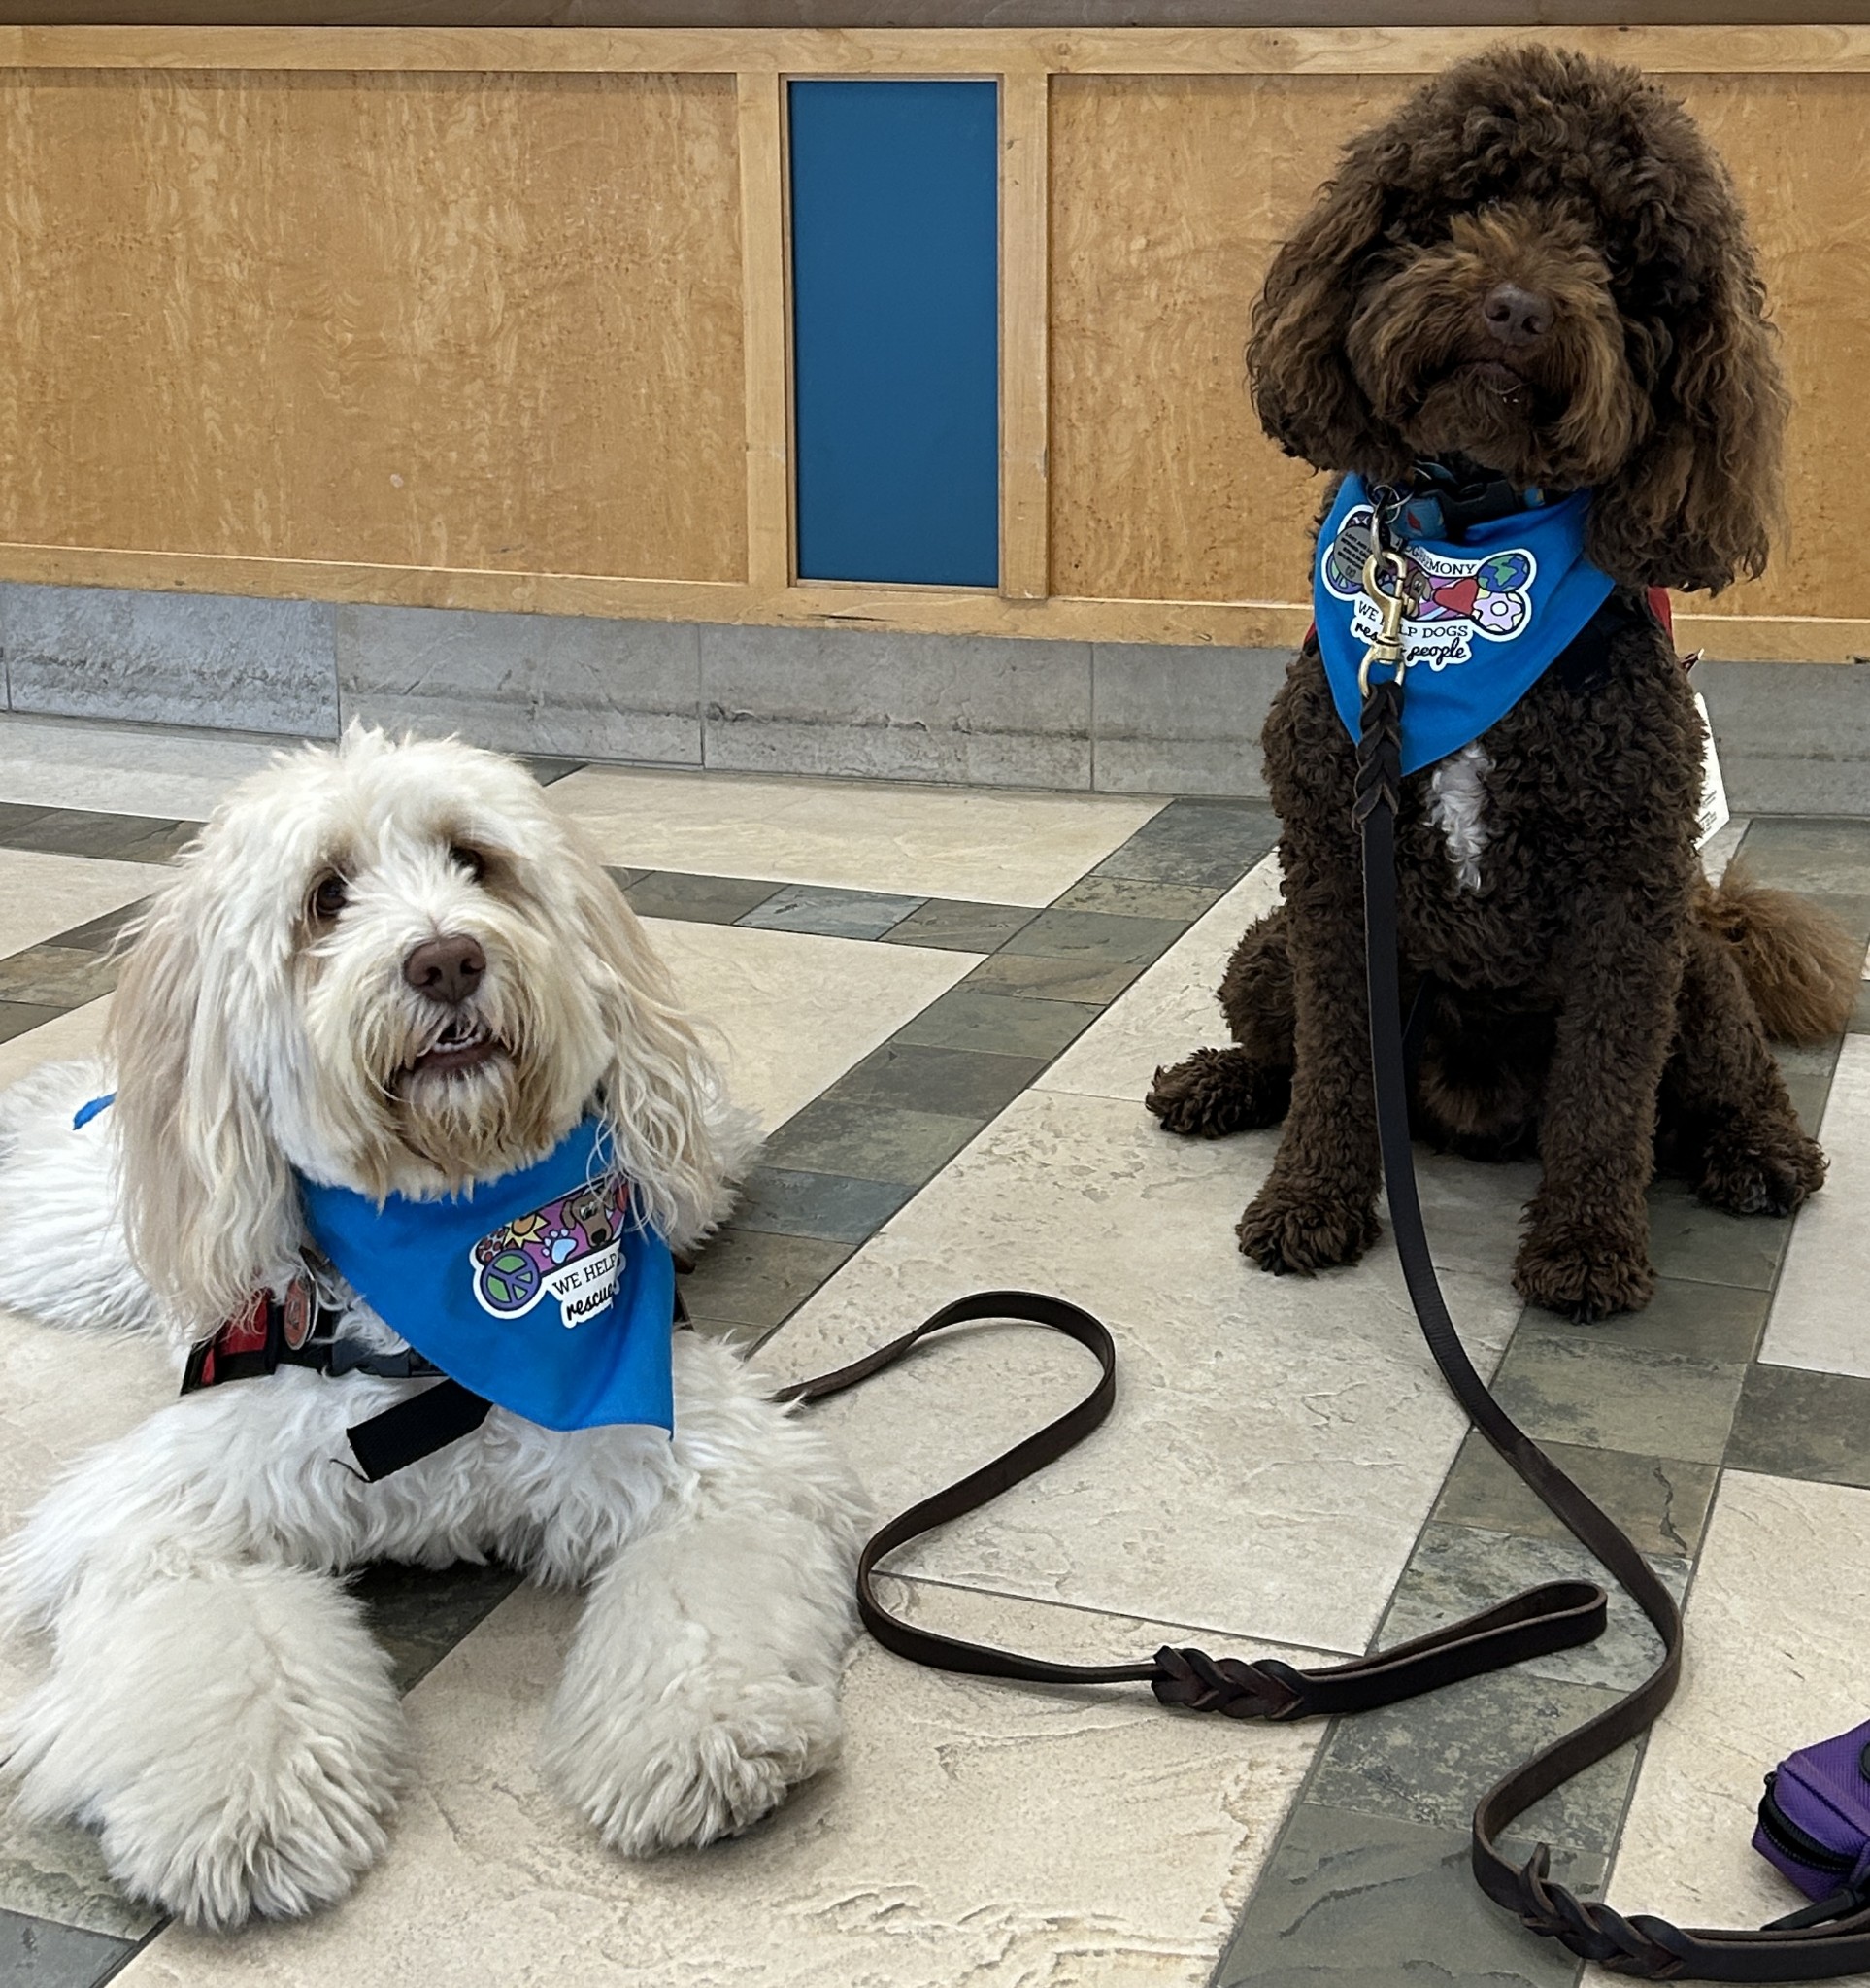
<point x="1800" y="965"/>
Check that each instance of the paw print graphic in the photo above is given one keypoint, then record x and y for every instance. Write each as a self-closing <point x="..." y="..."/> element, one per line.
<point x="559" y="1243"/>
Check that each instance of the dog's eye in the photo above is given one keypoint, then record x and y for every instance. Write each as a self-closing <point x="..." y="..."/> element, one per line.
<point x="329" y="896"/>
<point x="469" y="859"/>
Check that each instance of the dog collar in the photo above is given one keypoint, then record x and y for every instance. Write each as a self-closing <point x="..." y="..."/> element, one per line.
<point x="1486" y="617"/>
<point x="1444" y="501"/>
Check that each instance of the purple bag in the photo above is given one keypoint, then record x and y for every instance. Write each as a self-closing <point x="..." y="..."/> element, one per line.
<point x="1814" y="1823"/>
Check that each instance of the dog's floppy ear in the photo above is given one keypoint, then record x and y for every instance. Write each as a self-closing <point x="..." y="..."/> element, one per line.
<point x="1699" y="503"/>
<point x="1305" y="396"/>
<point x="209" y="1202"/>
<point x="660" y="1096"/>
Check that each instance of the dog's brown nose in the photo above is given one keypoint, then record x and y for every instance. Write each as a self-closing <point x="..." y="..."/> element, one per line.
<point x="1516" y="316"/>
<point x="446" y="969"/>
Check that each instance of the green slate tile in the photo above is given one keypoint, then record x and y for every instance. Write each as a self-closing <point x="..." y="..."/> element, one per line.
<point x="1196" y="842"/>
<point x="1042" y="978"/>
<point x="16" y="816"/>
<point x="832" y="914"/>
<point x="1792" y="1423"/>
<point x="41" y="1953"/>
<point x="547" y="772"/>
<point x="1715" y="1322"/>
<point x="701" y="900"/>
<point x="956" y="925"/>
<point x="861" y="1140"/>
<point x="1660" y="1501"/>
<point x="1564" y="1385"/>
<point x="785" y="1201"/>
<point x="748" y="1281"/>
<point x="19" y="1017"/>
<point x="1094" y="938"/>
<point x="964" y="1083"/>
<point x="57" y="976"/>
<point x="1828" y="855"/>
<point x="1428" y="1760"/>
<point x="1459" y="1570"/>
<point x="1354" y="1901"/>
<point x="976" y="1018"/>
<point x="1690" y="1241"/>
<point x="99" y="935"/>
<point x="1808" y="1074"/>
<point x="116" y="838"/>
<point x="1135" y="897"/>
<point x="418" y="1614"/>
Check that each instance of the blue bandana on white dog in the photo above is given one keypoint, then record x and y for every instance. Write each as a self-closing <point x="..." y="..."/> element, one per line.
<point x="542" y="1291"/>
<point x="1492" y="614"/>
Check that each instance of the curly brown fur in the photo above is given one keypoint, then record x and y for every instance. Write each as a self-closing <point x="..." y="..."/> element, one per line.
<point x="1580" y="997"/>
<point x="1801" y="966"/>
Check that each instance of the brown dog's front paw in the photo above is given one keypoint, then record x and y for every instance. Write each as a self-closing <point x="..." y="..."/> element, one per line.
<point x="1217" y="1092"/>
<point x="1754" y="1174"/>
<point x="1286" y="1231"/>
<point x="1584" y="1273"/>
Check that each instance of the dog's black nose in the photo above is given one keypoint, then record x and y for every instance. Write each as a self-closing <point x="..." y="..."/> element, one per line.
<point x="446" y="969"/>
<point x="1516" y="316"/>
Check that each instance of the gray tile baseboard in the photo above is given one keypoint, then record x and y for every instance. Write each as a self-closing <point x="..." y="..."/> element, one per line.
<point x="1110" y="717"/>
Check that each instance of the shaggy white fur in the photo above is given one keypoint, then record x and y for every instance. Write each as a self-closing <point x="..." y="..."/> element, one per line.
<point x="214" y="1704"/>
<point x="1457" y="807"/>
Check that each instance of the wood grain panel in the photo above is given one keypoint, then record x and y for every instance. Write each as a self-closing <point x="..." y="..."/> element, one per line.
<point x="1169" y="196"/>
<point x="483" y="322"/>
<point x="1795" y="147"/>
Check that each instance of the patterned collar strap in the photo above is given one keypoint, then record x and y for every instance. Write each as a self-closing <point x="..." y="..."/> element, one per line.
<point x="1488" y="617"/>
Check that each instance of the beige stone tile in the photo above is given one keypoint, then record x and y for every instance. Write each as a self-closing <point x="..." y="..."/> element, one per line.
<point x="1277" y="1443"/>
<point x="63" y="1039"/>
<point x="791" y="1011"/>
<point x="973" y="1831"/>
<point x="1775" y="1662"/>
<point x="992" y="848"/>
<point x="1172" y="1009"/>
<point x="176" y="775"/>
<point x="62" y="1393"/>
<point x="43" y="894"/>
<point x="1821" y="1315"/>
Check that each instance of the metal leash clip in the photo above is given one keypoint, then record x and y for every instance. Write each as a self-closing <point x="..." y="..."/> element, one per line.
<point x="1386" y="651"/>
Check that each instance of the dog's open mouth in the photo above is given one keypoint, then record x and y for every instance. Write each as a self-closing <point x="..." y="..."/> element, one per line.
<point x="463" y="1045"/>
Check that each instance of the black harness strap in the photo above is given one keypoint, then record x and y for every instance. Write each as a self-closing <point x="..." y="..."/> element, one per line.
<point x="260" y="1341"/>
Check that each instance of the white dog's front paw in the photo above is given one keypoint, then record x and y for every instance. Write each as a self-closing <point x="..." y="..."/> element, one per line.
<point x="276" y="1848"/>
<point x="235" y="1737"/>
<point x="689" y="1768"/>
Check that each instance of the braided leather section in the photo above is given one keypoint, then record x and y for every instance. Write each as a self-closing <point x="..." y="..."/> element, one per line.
<point x="1379" y="751"/>
<point x="1227" y="1685"/>
<point x="1623" y="1946"/>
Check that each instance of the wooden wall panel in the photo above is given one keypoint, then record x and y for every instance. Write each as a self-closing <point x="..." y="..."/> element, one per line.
<point x="1169" y="196"/>
<point x="1796" y="145"/>
<point x="442" y="321"/>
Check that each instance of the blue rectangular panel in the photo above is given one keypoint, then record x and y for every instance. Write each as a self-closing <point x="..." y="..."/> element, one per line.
<point x="895" y="330"/>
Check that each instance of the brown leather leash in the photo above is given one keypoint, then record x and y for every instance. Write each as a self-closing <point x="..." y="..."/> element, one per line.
<point x="1555" y="1616"/>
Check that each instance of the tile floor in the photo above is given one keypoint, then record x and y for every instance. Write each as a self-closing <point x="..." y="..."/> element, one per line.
<point x="945" y="1006"/>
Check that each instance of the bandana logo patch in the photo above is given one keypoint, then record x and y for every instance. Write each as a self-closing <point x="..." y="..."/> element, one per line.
<point x="1456" y="599"/>
<point x="571" y="1249"/>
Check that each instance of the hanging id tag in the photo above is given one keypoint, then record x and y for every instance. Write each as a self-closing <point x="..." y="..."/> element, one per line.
<point x="1714" y="813"/>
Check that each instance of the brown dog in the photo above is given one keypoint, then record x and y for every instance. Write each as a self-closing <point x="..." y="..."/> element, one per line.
<point x="1538" y="270"/>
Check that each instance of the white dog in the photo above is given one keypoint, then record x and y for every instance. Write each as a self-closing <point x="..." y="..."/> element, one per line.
<point x="393" y="969"/>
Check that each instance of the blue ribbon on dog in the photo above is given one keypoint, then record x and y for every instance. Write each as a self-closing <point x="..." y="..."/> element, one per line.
<point x="541" y="1291"/>
<point x="1490" y="614"/>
